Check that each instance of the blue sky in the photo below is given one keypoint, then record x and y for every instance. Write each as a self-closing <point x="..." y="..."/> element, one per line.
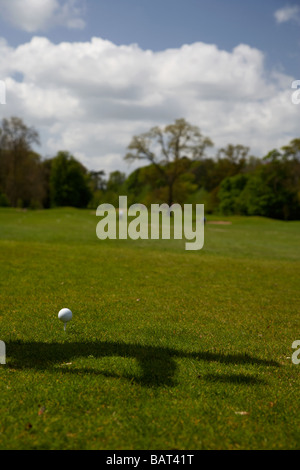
<point x="162" y="24"/>
<point x="261" y="39"/>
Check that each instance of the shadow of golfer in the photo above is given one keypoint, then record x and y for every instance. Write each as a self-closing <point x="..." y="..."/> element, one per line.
<point x="157" y="364"/>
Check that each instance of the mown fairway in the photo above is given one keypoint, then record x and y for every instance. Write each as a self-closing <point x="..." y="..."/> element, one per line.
<point x="167" y="349"/>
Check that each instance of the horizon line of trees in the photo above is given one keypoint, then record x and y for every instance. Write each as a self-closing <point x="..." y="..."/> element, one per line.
<point x="177" y="170"/>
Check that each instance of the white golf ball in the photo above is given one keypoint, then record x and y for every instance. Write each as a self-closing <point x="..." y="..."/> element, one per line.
<point x="65" y="315"/>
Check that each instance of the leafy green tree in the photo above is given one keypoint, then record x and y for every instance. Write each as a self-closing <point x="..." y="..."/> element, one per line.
<point x="137" y="186"/>
<point x="169" y="151"/>
<point x="230" y="195"/>
<point x="210" y="172"/>
<point x="258" y="196"/>
<point x="97" y="180"/>
<point x="98" y="184"/>
<point x="271" y="189"/>
<point x="115" y="187"/>
<point x="116" y="181"/>
<point x="4" y="202"/>
<point x="292" y="151"/>
<point x="69" y="182"/>
<point x="236" y="154"/>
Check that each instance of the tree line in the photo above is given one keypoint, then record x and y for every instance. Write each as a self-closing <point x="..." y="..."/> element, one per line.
<point x="177" y="169"/>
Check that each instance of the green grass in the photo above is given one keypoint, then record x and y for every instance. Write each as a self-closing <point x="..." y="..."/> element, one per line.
<point x="166" y="347"/>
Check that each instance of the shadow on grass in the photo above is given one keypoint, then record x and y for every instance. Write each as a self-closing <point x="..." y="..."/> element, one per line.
<point x="234" y="379"/>
<point x="158" y="365"/>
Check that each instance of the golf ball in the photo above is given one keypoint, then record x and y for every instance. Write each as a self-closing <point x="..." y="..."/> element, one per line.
<point x="65" y="315"/>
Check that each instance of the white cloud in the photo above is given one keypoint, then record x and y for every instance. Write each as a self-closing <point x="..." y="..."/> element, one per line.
<point x="288" y="13"/>
<point x="40" y="15"/>
<point x="91" y="98"/>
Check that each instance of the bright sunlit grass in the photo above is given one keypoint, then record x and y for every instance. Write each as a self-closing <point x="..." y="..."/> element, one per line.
<point x="167" y="349"/>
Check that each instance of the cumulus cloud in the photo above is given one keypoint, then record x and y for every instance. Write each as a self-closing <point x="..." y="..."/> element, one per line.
<point x="288" y="13"/>
<point x="90" y="98"/>
<point x="40" y="15"/>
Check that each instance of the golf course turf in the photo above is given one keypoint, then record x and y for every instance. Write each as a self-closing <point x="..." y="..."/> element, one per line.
<point x="167" y="349"/>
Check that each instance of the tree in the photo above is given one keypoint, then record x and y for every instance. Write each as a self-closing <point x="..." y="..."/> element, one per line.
<point x="16" y="136"/>
<point x="114" y="188"/>
<point x="234" y="153"/>
<point x="137" y="186"/>
<point x="69" y="184"/>
<point x="116" y="181"/>
<point x="271" y="189"/>
<point x="209" y="173"/>
<point x="170" y="151"/>
<point x="230" y="195"/>
<point x="292" y="151"/>
<point x="21" y="175"/>
<point x="98" y="182"/>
